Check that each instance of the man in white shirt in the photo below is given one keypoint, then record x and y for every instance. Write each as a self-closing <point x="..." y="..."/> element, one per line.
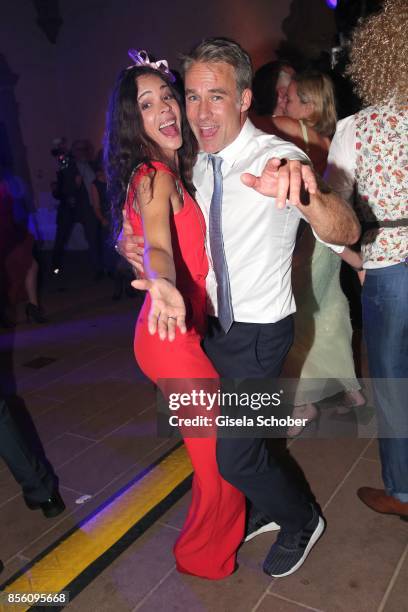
<point x="258" y="237"/>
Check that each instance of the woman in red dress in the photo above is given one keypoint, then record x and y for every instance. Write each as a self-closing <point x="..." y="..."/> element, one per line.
<point x="150" y="153"/>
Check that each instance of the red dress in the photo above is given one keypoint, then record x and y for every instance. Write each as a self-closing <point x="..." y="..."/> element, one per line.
<point x="214" y="526"/>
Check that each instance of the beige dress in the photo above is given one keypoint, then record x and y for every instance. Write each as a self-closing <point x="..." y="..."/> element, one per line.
<point x="321" y="355"/>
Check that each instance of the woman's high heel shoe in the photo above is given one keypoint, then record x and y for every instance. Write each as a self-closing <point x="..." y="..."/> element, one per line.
<point x="351" y="399"/>
<point x="33" y="313"/>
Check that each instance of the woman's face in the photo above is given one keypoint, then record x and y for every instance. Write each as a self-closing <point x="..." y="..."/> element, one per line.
<point x="160" y="113"/>
<point x="295" y="108"/>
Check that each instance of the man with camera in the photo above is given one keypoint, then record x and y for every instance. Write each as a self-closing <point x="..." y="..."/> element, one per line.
<point x="73" y="187"/>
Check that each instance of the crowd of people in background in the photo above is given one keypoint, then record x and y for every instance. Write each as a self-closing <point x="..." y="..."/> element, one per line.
<point x="80" y="190"/>
<point x="80" y="195"/>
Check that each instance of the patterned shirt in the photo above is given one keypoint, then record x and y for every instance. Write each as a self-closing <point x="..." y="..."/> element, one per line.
<point x="369" y="158"/>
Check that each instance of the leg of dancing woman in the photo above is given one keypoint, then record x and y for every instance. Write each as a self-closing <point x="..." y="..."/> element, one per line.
<point x="149" y="150"/>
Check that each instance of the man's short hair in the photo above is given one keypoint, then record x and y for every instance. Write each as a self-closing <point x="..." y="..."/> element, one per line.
<point x="223" y="50"/>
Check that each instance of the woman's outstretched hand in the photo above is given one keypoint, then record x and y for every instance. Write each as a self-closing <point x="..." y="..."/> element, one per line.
<point x="167" y="311"/>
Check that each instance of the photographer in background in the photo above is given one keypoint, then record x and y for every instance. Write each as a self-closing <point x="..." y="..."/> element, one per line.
<point x="73" y="190"/>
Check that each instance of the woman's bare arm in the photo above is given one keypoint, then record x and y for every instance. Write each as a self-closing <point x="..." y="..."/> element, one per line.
<point x="167" y="305"/>
<point x="354" y="259"/>
<point x="158" y="253"/>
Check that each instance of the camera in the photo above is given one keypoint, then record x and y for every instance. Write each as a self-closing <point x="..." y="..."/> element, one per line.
<point x="60" y="152"/>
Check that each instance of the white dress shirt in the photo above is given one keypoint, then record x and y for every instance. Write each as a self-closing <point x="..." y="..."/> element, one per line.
<point x="341" y="161"/>
<point x="258" y="237"/>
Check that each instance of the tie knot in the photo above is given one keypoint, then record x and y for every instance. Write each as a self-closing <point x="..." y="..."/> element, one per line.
<point x="216" y="162"/>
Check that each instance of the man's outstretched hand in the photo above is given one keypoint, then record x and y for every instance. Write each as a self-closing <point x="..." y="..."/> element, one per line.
<point x="283" y="179"/>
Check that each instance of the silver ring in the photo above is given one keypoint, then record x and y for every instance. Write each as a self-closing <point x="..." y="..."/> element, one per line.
<point x="175" y="318"/>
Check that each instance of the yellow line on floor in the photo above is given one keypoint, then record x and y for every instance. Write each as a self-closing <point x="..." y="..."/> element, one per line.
<point x="72" y="556"/>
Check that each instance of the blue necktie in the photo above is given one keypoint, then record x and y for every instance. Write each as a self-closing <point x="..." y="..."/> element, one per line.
<point x="225" y="313"/>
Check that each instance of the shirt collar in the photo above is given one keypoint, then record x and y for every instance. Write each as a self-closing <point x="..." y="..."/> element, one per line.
<point x="231" y="153"/>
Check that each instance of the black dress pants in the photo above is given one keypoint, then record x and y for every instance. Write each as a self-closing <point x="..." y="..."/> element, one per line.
<point x="254" y="350"/>
<point x="36" y="480"/>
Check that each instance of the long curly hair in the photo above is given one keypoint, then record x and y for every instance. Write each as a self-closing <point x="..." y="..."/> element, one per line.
<point x="126" y="144"/>
<point x="378" y="55"/>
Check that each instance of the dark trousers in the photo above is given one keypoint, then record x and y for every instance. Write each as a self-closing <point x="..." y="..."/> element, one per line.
<point x="37" y="482"/>
<point x="252" y="350"/>
<point x="67" y="216"/>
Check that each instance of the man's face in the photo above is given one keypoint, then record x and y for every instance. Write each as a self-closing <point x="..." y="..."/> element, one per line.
<point x="215" y="110"/>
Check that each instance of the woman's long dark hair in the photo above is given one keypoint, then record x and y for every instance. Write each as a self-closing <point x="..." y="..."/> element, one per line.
<point x="126" y="144"/>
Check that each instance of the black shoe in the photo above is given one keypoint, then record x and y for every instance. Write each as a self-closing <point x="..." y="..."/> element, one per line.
<point x="258" y="523"/>
<point x="33" y="313"/>
<point x="50" y="508"/>
<point x="290" y="550"/>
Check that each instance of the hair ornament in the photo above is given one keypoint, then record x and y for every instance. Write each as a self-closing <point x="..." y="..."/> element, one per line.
<point x="141" y="58"/>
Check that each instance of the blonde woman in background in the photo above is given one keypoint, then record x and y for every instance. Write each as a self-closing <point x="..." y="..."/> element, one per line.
<point x="322" y="352"/>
